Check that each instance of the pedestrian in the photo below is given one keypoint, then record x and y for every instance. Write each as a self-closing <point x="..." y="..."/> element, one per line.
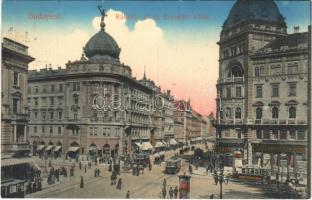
<point x="175" y="191"/>
<point x="215" y="176"/>
<point x="128" y="195"/>
<point x="110" y="167"/>
<point x="98" y="172"/>
<point x="171" y="193"/>
<point x="164" y="193"/>
<point x="112" y="179"/>
<point x="80" y="165"/>
<point x="150" y="166"/>
<point x="119" y="184"/>
<point x="81" y="182"/>
<point x="164" y="183"/>
<point x="39" y="186"/>
<point x="211" y="196"/>
<point x="190" y="169"/>
<point x="95" y="172"/>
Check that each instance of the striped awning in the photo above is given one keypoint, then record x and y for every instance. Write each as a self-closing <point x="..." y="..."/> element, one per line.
<point x="57" y="148"/>
<point x="73" y="149"/>
<point x="159" y="144"/>
<point x="49" y="148"/>
<point x="173" y="142"/>
<point x="40" y="147"/>
<point x="138" y="144"/>
<point x="146" y="146"/>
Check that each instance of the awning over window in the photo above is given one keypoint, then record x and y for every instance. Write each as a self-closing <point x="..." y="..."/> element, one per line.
<point x="138" y="144"/>
<point x="146" y="146"/>
<point x="93" y="148"/>
<point x="57" y="148"/>
<point x="159" y="144"/>
<point x="40" y="147"/>
<point x="173" y="142"/>
<point x="16" y="161"/>
<point x="49" y="148"/>
<point x="73" y="149"/>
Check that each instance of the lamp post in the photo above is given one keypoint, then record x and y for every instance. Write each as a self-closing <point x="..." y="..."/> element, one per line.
<point x="220" y="179"/>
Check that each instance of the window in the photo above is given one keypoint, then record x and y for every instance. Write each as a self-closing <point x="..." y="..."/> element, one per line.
<point x="51" y="129"/>
<point x="292" y="134"/>
<point x="36" y="101"/>
<point x="228" y="113"/>
<point x="76" y="99"/>
<point x="259" y="71"/>
<point x="52" y="88"/>
<point x="275" y="90"/>
<point x="52" y="101"/>
<point x="228" y="92"/>
<point x="60" y="115"/>
<point x="292" y="68"/>
<point x="15" y="105"/>
<point x="51" y="115"/>
<point x="259" y="134"/>
<point x="43" y="115"/>
<point x="75" y="116"/>
<point x="239" y="134"/>
<point x="274" y="134"/>
<point x="29" y="90"/>
<point x="95" y="131"/>
<point x="259" y="113"/>
<point x="227" y="133"/>
<point x="258" y="91"/>
<point x="61" y="87"/>
<point x="275" y="112"/>
<point x="238" y="92"/>
<point x="283" y="134"/>
<point x="35" y="129"/>
<point x="76" y="86"/>
<point x="238" y="113"/>
<point x="301" y="134"/>
<point x="36" y="90"/>
<point x="266" y="134"/>
<point x="292" y="89"/>
<point x="43" y="129"/>
<point x="15" y="78"/>
<point x="276" y="69"/>
<point x="36" y="115"/>
<point x="220" y="93"/>
<point x="292" y="112"/>
<point x="59" y="130"/>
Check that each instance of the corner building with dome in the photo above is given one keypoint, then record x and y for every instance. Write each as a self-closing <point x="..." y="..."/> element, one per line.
<point x="94" y="106"/>
<point x="262" y="90"/>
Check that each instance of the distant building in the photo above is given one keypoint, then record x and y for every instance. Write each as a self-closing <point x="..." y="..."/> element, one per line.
<point x="14" y="108"/>
<point x="262" y="87"/>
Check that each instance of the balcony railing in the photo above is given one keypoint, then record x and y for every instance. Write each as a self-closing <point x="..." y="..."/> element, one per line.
<point x="231" y="80"/>
<point x="261" y="121"/>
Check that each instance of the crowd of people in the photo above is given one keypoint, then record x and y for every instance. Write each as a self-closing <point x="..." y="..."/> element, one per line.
<point x="173" y="193"/>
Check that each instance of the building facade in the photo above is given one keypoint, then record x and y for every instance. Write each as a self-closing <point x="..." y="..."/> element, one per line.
<point x="92" y="107"/>
<point x="14" y="108"/>
<point x="262" y="87"/>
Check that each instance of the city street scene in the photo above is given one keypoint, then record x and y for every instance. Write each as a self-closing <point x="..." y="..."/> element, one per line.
<point x="156" y="99"/>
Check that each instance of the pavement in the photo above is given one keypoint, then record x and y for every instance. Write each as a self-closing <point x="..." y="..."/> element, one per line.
<point x="148" y="185"/>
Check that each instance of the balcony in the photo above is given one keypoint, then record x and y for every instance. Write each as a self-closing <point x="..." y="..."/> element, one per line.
<point x="260" y="122"/>
<point x="16" y="147"/>
<point x="19" y="117"/>
<point x="231" y="80"/>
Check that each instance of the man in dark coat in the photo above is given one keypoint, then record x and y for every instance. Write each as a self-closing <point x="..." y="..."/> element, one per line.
<point x="128" y="195"/>
<point x="175" y="192"/>
<point x="81" y="182"/>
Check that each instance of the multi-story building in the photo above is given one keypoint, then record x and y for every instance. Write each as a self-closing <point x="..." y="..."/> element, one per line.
<point x="262" y="86"/>
<point x="14" y="108"/>
<point x="94" y="106"/>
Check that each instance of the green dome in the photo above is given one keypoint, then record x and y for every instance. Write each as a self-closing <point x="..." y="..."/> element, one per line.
<point x="102" y="44"/>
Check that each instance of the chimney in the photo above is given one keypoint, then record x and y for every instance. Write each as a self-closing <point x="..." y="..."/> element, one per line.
<point x="296" y="29"/>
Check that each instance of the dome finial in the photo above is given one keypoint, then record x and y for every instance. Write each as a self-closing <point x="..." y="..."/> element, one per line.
<point x="144" y="76"/>
<point x="103" y="15"/>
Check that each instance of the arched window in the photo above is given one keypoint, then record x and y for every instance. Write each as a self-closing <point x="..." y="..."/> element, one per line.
<point x="259" y="113"/>
<point x="235" y="71"/>
<point x="292" y="112"/>
<point x="238" y="113"/>
<point x="275" y="112"/>
<point x="228" y="113"/>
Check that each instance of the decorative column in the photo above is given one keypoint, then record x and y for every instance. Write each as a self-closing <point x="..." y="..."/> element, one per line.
<point x="14" y="134"/>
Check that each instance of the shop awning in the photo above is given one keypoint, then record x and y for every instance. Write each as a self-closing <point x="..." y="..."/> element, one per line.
<point x="198" y="139"/>
<point x="49" y="148"/>
<point x="73" y="149"/>
<point x="40" y="147"/>
<point x="16" y="161"/>
<point x="93" y="148"/>
<point x="146" y="146"/>
<point x="138" y="144"/>
<point x="159" y="144"/>
<point x="57" y="148"/>
<point x="173" y="142"/>
<point x="181" y="141"/>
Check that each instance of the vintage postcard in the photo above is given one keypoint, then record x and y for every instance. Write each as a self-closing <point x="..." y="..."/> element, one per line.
<point x="134" y="99"/>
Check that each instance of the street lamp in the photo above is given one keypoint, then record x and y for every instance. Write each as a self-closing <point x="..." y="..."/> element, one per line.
<point x="219" y="178"/>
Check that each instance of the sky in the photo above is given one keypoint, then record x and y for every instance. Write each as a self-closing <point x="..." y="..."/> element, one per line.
<point x="175" y="41"/>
